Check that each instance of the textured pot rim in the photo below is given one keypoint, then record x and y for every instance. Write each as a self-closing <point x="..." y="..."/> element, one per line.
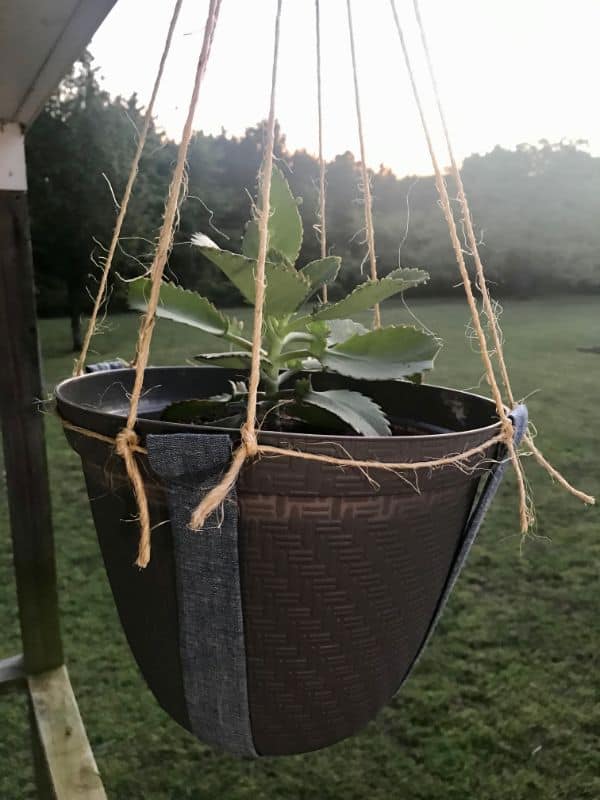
<point x="308" y="438"/>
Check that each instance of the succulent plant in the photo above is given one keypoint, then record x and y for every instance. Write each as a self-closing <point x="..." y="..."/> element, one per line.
<point x="300" y="336"/>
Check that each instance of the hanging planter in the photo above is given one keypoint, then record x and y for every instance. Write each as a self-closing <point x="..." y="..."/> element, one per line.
<point x="291" y="625"/>
<point x="298" y="609"/>
<point x="308" y="500"/>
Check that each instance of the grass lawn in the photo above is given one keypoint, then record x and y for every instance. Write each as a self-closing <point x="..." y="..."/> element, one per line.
<point x="505" y="703"/>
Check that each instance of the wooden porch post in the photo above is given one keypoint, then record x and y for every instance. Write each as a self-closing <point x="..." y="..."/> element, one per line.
<point x="22" y="424"/>
<point x="64" y="764"/>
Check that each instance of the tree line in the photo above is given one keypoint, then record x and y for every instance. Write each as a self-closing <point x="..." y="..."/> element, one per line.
<point x="536" y="207"/>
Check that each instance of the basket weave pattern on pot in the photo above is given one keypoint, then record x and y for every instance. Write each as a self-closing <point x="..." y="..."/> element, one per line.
<point x="338" y="596"/>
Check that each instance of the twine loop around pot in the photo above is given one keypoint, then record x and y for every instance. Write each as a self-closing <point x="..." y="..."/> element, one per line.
<point x="249" y="440"/>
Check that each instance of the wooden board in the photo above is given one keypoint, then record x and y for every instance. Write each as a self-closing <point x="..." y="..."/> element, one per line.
<point x="23" y="440"/>
<point x="69" y="758"/>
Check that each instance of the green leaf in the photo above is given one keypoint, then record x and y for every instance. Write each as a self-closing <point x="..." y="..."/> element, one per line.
<point x="322" y="271"/>
<point x="238" y="389"/>
<point x="311" y="419"/>
<point x="276" y="257"/>
<point x="369" y="293"/>
<point x="180" y="305"/>
<point x="234" y="421"/>
<point x="238" y="359"/>
<point x="319" y="331"/>
<point x="384" y="354"/>
<point x="311" y="365"/>
<point x="285" y="224"/>
<point x="239" y="269"/>
<point x="342" y="329"/>
<point x="286" y="287"/>
<point x="359" y="412"/>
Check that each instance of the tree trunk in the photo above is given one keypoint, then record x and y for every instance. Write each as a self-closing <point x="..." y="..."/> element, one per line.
<point x="76" y="331"/>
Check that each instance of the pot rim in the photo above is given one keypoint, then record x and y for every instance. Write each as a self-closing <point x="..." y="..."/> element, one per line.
<point x="64" y="402"/>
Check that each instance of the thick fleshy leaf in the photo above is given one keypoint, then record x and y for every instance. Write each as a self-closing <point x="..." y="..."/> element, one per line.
<point x="369" y="293"/>
<point x="359" y="412"/>
<point x="221" y="410"/>
<point x="322" y="271"/>
<point x="319" y="332"/>
<point x="276" y="257"/>
<point x="286" y="287"/>
<point x="285" y="224"/>
<point x="202" y="240"/>
<point x="384" y="354"/>
<point x="306" y="418"/>
<point x="342" y="329"/>
<point x="180" y="305"/>
<point x="239" y="359"/>
<point x="311" y="365"/>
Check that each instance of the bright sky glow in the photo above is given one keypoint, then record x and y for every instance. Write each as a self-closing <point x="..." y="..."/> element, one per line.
<point x="509" y="71"/>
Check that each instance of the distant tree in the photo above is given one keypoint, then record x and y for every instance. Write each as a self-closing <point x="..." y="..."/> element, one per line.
<point x="78" y="153"/>
<point x="536" y="208"/>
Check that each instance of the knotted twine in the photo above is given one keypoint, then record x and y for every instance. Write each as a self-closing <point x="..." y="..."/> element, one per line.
<point x="481" y="280"/>
<point x="127" y="441"/>
<point x="322" y="228"/>
<point x="124" y="204"/>
<point x="525" y="513"/>
<point x="249" y="446"/>
<point x="366" y="181"/>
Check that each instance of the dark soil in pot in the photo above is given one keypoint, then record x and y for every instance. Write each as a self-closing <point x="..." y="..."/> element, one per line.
<point x="341" y="577"/>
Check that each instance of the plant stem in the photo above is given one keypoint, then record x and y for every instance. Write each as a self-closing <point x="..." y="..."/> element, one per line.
<point x="239" y="340"/>
<point x="270" y="374"/>
<point x="294" y="355"/>
<point x="297" y="336"/>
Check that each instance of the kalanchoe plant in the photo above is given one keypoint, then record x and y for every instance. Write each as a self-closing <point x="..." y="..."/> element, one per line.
<point x="297" y="340"/>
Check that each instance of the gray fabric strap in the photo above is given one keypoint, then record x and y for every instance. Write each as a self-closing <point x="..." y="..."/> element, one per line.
<point x="211" y="629"/>
<point x="520" y="419"/>
<point x="105" y="366"/>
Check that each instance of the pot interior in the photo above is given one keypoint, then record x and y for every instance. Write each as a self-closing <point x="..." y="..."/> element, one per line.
<point x="100" y="400"/>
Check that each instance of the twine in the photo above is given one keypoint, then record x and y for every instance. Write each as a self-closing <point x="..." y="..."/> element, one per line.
<point x="458" y="459"/>
<point x="91" y="328"/>
<point x="134" y="447"/>
<point x="368" y="201"/>
<point x="525" y="512"/>
<point x="126" y="442"/>
<point x="127" y="439"/>
<point x="481" y="280"/>
<point x="323" y="223"/>
<point x="249" y="446"/>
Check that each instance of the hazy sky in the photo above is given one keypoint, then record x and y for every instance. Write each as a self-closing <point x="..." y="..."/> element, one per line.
<point x="509" y="70"/>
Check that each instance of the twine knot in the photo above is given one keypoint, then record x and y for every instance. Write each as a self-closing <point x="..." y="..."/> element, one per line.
<point x="125" y="441"/>
<point x="508" y="429"/>
<point x="249" y="440"/>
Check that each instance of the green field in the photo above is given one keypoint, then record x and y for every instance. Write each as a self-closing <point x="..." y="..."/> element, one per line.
<point x="505" y="703"/>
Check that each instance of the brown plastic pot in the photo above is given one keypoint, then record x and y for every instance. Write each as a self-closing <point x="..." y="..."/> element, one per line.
<point x="341" y="579"/>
